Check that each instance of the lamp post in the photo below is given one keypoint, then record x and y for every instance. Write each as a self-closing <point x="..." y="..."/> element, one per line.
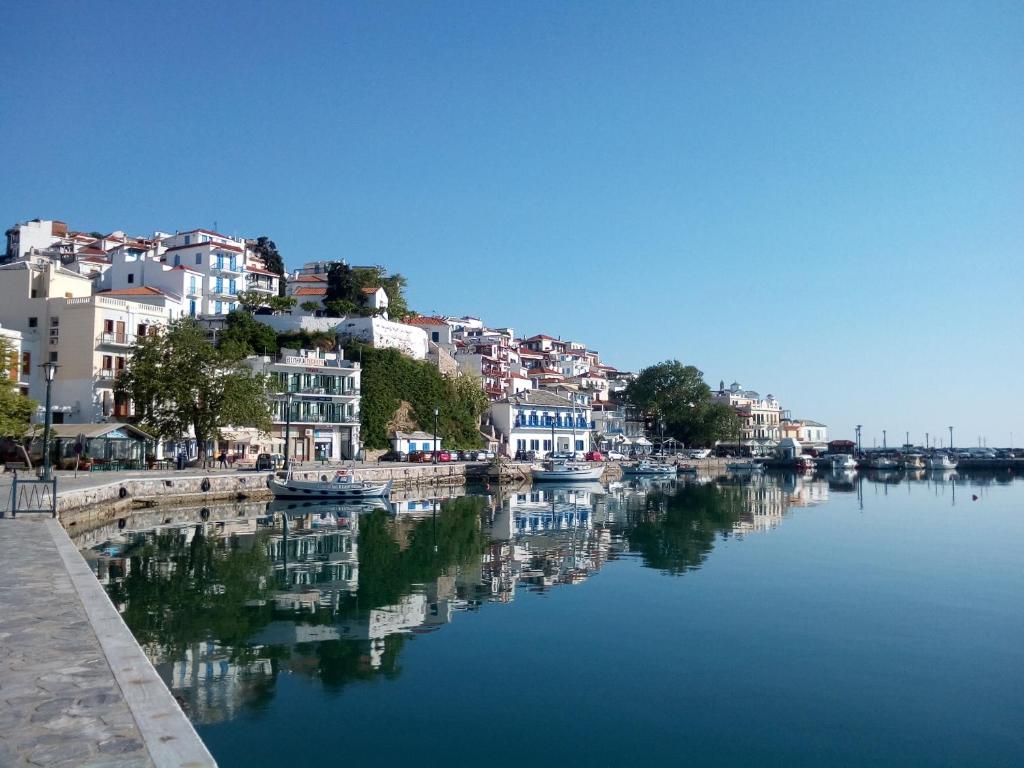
<point x="926" y="446"/>
<point x="436" y="414"/>
<point x="884" y="446"/>
<point x="951" y="439"/>
<point x="49" y="371"/>
<point x="287" y="430"/>
<point x="858" y="438"/>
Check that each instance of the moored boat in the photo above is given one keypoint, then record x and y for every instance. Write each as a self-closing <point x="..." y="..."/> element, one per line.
<point x="561" y="470"/>
<point x="940" y="461"/>
<point x="912" y="461"/>
<point x="744" y="467"/>
<point x="884" y="463"/>
<point x="343" y="485"/>
<point x="644" y="467"/>
<point x="842" y="462"/>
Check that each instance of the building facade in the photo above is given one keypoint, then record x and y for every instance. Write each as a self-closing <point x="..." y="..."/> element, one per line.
<point x="542" y="422"/>
<point x="322" y="392"/>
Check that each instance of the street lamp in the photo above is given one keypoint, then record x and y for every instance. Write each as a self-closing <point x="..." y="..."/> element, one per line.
<point x="287" y="429"/>
<point x="49" y="371"/>
<point x="436" y="414"/>
<point x="951" y="439"/>
<point x="858" y="438"/>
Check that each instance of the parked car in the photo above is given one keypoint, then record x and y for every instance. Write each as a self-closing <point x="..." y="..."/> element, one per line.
<point x="615" y="456"/>
<point x="394" y="456"/>
<point x="594" y="456"/>
<point x="442" y="456"/>
<point x="265" y="463"/>
<point x="419" y="457"/>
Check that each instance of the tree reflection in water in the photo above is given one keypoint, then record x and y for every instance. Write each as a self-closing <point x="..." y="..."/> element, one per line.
<point x="197" y="601"/>
<point x="676" y="529"/>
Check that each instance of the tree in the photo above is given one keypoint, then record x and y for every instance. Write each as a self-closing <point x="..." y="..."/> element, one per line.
<point x="311" y="306"/>
<point x="179" y="381"/>
<point x="253" y="301"/>
<point x="280" y="304"/>
<point x="266" y="249"/>
<point x="15" y="409"/>
<point x="677" y="396"/>
<point x="345" y="286"/>
<point x="243" y="329"/>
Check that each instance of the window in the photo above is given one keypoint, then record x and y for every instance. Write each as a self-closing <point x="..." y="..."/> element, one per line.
<point x="177" y="259"/>
<point x="131" y="277"/>
<point x="217" y="307"/>
<point x="535" y="445"/>
<point x="231" y="287"/>
<point x="547" y="445"/>
<point x="188" y="240"/>
<point x="192" y="308"/>
<point x="435" y="336"/>
<point x="35" y="293"/>
<point x="231" y="306"/>
<point x="53" y="357"/>
<point x="199" y="258"/>
<point x="191" y="283"/>
<point x="141" y="329"/>
<point x="26" y="363"/>
<point x="579" y="445"/>
<point x="108" y="362"/>
<point x="54" y="322"/>
<point x="33" y="322"/>
<point x="218" y="285"/>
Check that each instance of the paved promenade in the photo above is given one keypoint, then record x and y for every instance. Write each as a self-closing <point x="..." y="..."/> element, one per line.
<point x="75" y="688"/>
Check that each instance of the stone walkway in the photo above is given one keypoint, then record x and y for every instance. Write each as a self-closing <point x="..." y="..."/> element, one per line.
<point x="61" y="701"/>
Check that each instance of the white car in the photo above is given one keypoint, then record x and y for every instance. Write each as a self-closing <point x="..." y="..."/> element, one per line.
<point x="699" y="453"/>
<point x="615" y="456"/>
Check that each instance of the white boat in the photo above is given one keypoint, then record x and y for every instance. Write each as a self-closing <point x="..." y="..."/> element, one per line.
<point x="912" y="461"/>
<point x="884" y="464"/>
<point x="940" y="461"/>
<point x="744" y="467"/>
<point x="842" y="462"/>
<point x="342" y="486"/>
<point x="561" y="470"/>
<point x="644" y="467"/>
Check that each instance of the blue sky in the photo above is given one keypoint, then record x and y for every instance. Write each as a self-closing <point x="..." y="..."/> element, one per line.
<point x="821" y="200"/>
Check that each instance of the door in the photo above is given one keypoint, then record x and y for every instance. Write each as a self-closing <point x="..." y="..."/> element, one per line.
<point x="119" y="335"/>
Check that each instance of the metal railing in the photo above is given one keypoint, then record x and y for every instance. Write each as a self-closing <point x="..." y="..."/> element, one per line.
<point x="33" y="496"/>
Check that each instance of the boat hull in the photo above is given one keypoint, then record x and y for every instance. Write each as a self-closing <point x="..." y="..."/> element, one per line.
<point x="299" y="489"/>
<point x="567" y="476"/>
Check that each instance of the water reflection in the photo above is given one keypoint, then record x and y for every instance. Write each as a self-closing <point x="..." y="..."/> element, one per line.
<point x="226" y="599"/>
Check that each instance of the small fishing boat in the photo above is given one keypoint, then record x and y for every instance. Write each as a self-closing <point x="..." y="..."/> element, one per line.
<point x="744" y="467"/>
<point x="649" y="468"/>
<point x="562" y="470"/>
<point x="912" y="461"/>
<point x="940" y="461"/>
<point x="842" y="462"/>
<point x="884" y="464"/>
<point x="343" y="485"/>
<point x="686" y="469"/>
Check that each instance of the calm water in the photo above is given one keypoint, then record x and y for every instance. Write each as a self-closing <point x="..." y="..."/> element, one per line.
<point x="782" y="622"/>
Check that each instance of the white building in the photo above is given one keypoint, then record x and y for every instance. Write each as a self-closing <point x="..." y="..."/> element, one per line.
<point x="384" y="334"/>
<point x="759" y="416"/>
<point x="407" y="442"/>
<point x="325" y="399"/>
<point x="89" y="337"/>
<point x="527" y="421"/>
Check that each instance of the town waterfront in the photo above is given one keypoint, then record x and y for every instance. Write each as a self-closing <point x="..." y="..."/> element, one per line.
<point x="783" y="620"/>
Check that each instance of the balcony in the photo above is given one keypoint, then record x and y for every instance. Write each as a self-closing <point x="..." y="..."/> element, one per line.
<point x="107" y="375"/>
<point x="115" y="339"/>
<point x="218" y="265"/>
<point x="318" y="418"/>
<point x="565" y="424"/>
<point x="325" y="391"/>
<point x="261" y="287"/>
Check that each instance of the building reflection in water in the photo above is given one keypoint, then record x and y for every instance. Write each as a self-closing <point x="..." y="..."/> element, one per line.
<point x="226" y="599"/>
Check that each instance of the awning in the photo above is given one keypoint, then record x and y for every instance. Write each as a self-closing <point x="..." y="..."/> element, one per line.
<point x="643" y="441"/>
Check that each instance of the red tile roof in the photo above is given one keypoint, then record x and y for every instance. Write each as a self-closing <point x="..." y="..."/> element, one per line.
<point x="370" y="291"/>
<point x="310" y="291"/>
<point x="309" y="279"/>
<point x="142" y="290"/>
<point x="425" y="321"/>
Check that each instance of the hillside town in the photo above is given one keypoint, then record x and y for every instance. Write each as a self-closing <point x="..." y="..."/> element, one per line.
<point x="75" y="304"/>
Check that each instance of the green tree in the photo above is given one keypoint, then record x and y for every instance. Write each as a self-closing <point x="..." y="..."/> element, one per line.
<point x="390" y="378"/>
<point x="15" y="409"/>
<point x="345" y="286"/>
<point x="178" y="380"/>
<point x="243" y="329"/>
<point x="677" y="395"/>
<point x="311" y="306"/>
<point x="266" y="249"/>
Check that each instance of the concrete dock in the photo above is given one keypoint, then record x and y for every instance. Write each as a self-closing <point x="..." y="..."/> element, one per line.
<point x="75" y="687"/>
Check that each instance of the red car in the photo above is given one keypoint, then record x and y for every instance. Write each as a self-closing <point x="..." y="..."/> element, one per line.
<point x="444" y="456"/>
<point x="594" y="456"/>
<point x="419" y="457"/>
